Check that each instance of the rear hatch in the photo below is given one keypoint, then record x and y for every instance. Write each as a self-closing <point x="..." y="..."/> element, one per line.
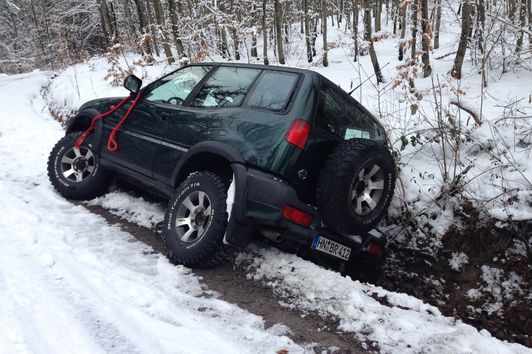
<point x="337" y="117"/>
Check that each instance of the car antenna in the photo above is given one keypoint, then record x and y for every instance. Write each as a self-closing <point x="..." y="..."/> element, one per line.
<point x="363" y="82"/>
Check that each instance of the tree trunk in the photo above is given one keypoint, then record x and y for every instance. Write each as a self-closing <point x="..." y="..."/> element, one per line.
<point x="234" y="34"/>
<point x="425" y="40"/>
<point x="529" y="10"/>
<point x="467" y="10"/>
<point x="522" y="24"/>
<point x="414" y="29"/>
<point x="175" y="29"/>
<point x="367" y="37"/>
<point x="159" y="16"/>
<point x="151" y="21"/>
<point x="402" y="24"/>
<point x="254" y="33"/>
<point x="437" y="25"/>
<point x="278" y="18"/>
<point x="105" y="21"/>
<point x="314" y="36"/>
<point x="141" y="12"/>
<point x="307" y="30"/>
<point x="264" y="35"/>
<point x="324" y="30"/>
<point x="223" y="37"/>
<point x="377" y="14"/>
<point x="355" y="26"/>
<point x="131" y="31"/>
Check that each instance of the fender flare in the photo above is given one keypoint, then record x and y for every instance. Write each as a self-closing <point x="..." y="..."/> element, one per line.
<point x="223" y="150"/>
<point x="82" y="120"/>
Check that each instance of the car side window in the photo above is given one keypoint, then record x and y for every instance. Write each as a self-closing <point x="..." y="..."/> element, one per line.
<point x="227" y="87"/>
<point x="174" y="88"/>
<point x="272" y="91"/>
<point x="345" y="118"/>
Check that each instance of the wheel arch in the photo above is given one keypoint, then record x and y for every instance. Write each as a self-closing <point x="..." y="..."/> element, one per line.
<point x="81" y="121"/>
<point x="211" y="156"/>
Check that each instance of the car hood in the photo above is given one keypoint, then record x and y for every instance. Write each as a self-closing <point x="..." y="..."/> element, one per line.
<point x="100" y="104"/>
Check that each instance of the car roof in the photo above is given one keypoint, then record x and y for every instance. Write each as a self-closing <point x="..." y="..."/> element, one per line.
<point x="260" y="67"/>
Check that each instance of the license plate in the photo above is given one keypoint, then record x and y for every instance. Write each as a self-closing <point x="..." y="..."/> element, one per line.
<point x="335" y="249"/>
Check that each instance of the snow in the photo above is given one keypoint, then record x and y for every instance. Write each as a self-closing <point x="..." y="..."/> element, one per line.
<point x="133" y="209"/>
<point x="72" y="283"/>
<point x="404" y="325"/>
<point x="395" y="322"/>
<point x="458" y="260"/>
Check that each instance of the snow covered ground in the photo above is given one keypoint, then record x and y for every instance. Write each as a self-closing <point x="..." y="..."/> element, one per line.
<point x="73" y="284"/>
<point x="395" y="322"/>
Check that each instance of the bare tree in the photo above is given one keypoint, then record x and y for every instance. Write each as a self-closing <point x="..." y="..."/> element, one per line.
<point x="324" y="31"/>
<point x="437" y="24"/>
<point x="264" y="35"/>
<point x="467" y="11"/>
<point x="172" y="9"/>
<point x="425" y="40"/>
<point x="159" y="15"/>
<point x="278" y="19"/>
<point x="306" y="20"/>
<point x="367" y="37"/>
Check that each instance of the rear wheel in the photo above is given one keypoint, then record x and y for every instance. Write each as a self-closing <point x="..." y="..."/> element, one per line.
<point x="356" y="186"/>
<point x="196" y="221"/>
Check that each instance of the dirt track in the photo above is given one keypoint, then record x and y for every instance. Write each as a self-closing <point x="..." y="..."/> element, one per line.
<point x="230" y="282"/>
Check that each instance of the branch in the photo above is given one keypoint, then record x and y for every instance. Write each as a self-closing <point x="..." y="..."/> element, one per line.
<point x="498" y="18"/>
<point x="469" y="110"/>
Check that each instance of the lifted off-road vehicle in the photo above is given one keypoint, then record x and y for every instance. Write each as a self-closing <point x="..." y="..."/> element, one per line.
<point x="304" y="163"/>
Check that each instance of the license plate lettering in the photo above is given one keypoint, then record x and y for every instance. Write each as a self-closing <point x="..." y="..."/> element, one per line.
<point x="333" y="248"/>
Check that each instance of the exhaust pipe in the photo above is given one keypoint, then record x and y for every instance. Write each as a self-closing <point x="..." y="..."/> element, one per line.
<point x="272" y="236"/>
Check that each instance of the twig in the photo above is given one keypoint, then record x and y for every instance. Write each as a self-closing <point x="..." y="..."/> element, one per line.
<point x="473" y="114"/>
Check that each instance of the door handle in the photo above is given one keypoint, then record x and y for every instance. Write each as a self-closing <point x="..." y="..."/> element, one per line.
<point x="164" y="115"/>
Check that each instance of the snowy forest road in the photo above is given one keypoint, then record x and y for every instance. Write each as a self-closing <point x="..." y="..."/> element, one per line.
<point x="72" y="282"/>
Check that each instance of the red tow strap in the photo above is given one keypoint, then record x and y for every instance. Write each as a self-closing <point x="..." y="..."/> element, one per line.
<point x="112" y="145"/>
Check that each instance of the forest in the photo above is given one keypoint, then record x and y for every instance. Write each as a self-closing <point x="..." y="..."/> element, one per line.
<point x="51" y="34"/>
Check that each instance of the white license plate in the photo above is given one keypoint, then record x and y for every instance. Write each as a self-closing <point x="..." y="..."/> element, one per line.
<point x="335" y="249"/>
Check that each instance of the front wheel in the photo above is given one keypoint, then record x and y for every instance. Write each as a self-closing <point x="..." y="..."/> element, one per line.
<point x="196" y="221"/>
<point x="76" y="173"/>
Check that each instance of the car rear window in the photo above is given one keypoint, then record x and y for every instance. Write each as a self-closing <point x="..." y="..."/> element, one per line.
<point x="345" y="118"/>
<point x="227" y="87"/>
<point x="272" y="91"/>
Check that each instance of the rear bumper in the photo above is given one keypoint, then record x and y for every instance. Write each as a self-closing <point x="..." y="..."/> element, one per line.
<point x="259" y="201"/>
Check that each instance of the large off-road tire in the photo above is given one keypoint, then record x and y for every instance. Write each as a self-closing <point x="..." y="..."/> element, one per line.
<point x="356" y="186"/>
<point x="196" y="221"/>
<point x="77" y="173"/>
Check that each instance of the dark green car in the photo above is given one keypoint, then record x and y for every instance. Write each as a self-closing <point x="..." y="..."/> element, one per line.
<point x="304" y="163"/>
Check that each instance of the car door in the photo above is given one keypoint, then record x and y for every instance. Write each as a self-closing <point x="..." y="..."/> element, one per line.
<point x="141" y="135"/>
<point x="204" y="117"/>
<point x="136" y="139"/>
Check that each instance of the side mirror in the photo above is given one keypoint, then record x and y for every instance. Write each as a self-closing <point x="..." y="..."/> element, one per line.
<point x="132" y="83"/>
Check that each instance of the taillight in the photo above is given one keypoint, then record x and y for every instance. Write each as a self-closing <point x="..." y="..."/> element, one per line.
<point x="375" y="249"/>
<point x="297" y="216"/>
<point x="298" y="133"/>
